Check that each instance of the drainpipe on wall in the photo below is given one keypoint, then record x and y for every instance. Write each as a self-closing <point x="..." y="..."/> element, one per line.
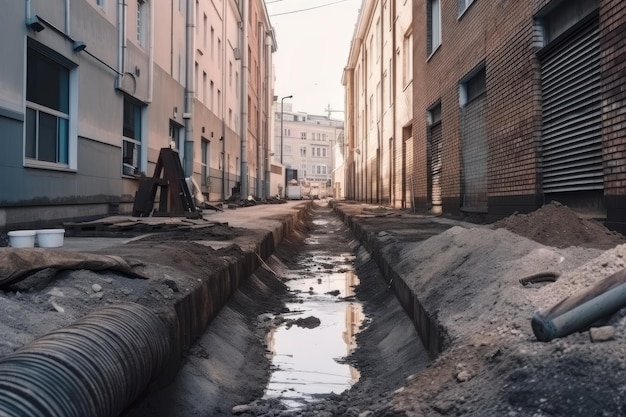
<point x="67" y="18"/>
<point x="268" y="107"/>
<point x="121" y="40"/>
<point x="259" y="111"/>
<point x="189" y="88"/>
<point x="244" y="99"/>
<point x="151" y="55"/>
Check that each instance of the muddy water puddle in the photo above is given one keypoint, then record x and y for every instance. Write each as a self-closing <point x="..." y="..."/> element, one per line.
<point x="309" y="349"/>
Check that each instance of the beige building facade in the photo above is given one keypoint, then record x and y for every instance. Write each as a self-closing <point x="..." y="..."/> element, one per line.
<point x="91" y="90"/>
<point x="378" y="80"/>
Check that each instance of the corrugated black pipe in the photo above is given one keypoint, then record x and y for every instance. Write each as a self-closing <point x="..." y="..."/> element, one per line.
<point x="93" y="368"/>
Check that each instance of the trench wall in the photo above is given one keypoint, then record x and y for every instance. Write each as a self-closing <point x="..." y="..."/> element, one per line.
<point x="428" y="329"/>
<point x="192" y="314"/>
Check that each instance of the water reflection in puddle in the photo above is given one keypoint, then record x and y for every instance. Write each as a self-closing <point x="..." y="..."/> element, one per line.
<point x="308" y="362"/>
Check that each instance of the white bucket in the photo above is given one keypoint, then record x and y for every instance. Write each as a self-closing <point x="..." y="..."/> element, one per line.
<point x="22" y="238"/>
<point x="50" y="238"/>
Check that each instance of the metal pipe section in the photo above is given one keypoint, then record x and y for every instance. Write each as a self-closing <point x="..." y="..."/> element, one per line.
<point x="548" y="326"/>
<point x="95" y="367"/>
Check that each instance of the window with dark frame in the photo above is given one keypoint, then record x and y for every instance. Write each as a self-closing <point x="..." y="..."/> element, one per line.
<point x="131" y="143"/>
<point x="47" y="109"/>
<point x="433" y="25"/>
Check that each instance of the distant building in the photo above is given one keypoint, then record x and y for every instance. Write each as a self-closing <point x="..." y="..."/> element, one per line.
<point x="306" y="148"/>
<point x="91" y="90"/>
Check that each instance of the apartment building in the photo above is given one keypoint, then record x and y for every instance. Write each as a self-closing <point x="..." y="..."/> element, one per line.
<point x="517" y="104"/>
<point x="306" y="148"/>
<point x="93" y="89"/>
<point x="378" y="79"/>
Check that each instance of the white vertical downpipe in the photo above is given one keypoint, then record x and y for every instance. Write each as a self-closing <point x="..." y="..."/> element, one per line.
<point x="121" y="40"/>
<point x="67" y="18"/>
<point x="259" y="112"/>
<point x="151" y="6"/>
<point x="244" y="99"/>
<point x="189" y="87"/>
<point x="268" y="108"/>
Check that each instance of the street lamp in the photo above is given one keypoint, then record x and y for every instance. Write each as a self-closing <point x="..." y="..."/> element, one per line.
<point x="281" y="127"/>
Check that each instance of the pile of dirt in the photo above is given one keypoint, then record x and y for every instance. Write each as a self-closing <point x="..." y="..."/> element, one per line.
<point x="556" y="225"/>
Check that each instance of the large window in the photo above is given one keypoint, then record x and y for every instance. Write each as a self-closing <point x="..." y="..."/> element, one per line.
<point x="47" y="126"/>
<point x="434" y="25"/>
<point x="131" y="143"/>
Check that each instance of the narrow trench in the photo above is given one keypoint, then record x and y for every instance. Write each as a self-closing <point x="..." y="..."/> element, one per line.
<point x="315" y="331"/>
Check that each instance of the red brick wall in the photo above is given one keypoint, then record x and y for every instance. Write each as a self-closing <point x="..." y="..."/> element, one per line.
<point x="613" y="61"/>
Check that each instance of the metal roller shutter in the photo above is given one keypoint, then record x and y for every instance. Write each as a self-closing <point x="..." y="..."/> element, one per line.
<point x="474" y="155"/>
<point x="572" y="119"/>
<point x="436" y="136"/>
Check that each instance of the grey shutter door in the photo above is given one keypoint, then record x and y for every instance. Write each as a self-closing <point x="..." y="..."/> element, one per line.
<point x="572" y="118"/>
<point x="435" y="164"/>
<point x="474" y="155"/>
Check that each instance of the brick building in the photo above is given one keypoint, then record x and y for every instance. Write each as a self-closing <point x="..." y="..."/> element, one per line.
<point x="518" y="103"/>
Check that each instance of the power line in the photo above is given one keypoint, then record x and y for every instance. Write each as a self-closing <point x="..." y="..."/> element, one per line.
<point x="305" y="10"/>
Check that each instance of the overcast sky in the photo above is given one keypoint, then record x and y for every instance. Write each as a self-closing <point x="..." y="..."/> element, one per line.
<point x="313" y="49"/>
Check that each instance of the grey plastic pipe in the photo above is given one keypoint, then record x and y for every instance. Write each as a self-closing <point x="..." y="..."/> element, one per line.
<point x="579" y="311"/>
<point x="95" y="367"/>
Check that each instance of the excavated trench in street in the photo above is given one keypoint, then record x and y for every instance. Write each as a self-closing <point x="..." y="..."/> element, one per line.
<point x="315" y="330"/>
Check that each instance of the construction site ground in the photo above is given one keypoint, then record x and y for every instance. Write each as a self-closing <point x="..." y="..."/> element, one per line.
<point x="466" y="276"/>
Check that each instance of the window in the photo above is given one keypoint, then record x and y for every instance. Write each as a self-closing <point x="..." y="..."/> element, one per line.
<point x="205" y="147"/>
<point x="323" y="152"/>
<point x="132" y="135"/>
<point x="100" y="3"/>
<point x="219" y="53"/>
<point x="433" y="25"/>
<point x="141" y="19"/>
<point x="464" y="5"/>
<point x="219" y="102"/>
<point x="230" y="73"/>
<point x="176" y="138"/>
<point x="563" y="16"/>
<point x="212" y="95"/>
<point x="303" y="151"/>
<point x="47" y="136"/>
<point x="196" y="78"/>
<point x="212" y="43"/>
<point x="204" y="79"/>
<point x="205" y="23"/>
<point x="407" y="54"/>
<point x="473" y="86"/>
<point x="303" y="135"/>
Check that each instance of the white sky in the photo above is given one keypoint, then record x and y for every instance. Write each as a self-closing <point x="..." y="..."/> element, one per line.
<point x="313" y="49"/>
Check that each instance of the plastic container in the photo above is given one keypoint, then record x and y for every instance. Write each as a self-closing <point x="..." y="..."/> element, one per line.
<point x="22" y="238"/>
<point x="50" y="238"/>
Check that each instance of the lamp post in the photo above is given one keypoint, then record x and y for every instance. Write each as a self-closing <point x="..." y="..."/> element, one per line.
<point x="281" y="127"/>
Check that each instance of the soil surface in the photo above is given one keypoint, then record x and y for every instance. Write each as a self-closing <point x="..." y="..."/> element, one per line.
<point x="466" y="276"/>
<point x="468" y="279"/>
